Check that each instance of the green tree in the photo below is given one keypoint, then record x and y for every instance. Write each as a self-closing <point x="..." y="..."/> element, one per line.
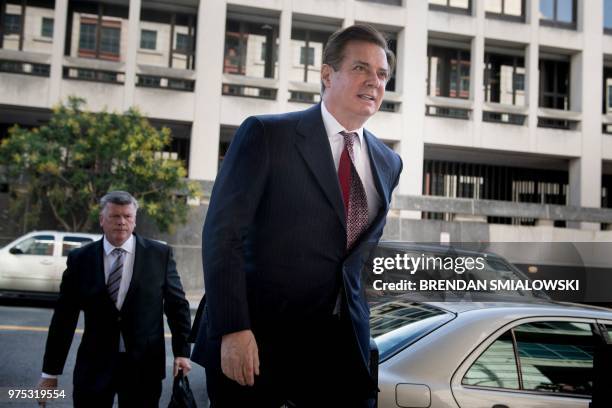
<point x="69" y="163"/>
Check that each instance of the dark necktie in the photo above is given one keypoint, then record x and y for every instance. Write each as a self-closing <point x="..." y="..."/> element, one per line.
<point x="114" y="277"/>
<point x="353" y="193"/>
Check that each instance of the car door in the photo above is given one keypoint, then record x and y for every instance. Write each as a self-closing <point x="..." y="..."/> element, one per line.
<point x="68" y="243"/>
<point x="537" y="363"/>
<point x="30" y="264"/>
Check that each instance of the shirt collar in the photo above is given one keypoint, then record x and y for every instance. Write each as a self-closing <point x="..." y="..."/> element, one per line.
<point x="333" y="127"/>
<point x="128" y="245"/>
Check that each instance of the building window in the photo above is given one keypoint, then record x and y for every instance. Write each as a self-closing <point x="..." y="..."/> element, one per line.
<point x="110" y="39"/>
<point x="148" y="39"/>
<point x="608" y="16"/>
<point x="87" y="37"/>
<point x="307" y="56"/>
<point x="12" y="24"/>
<point x="448" y="72"/>
<point x="560" y="13"/>
<point x="506" y="9"/>
<point x="244" y="49"/>
<point x="554" y="84"/>
<point x="554" y="357"/>
<point x="504" y="79"/>
<point x="47" y="27"/>
<point x="459" y="6"/>
<point x="183" y="43"/>
<point x="307" y="53"/>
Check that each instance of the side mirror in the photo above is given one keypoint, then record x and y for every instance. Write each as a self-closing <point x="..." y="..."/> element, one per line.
<point x="16" y="251"/>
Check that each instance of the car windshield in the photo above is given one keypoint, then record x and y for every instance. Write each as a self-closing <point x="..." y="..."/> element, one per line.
<point x="396" y="325"/>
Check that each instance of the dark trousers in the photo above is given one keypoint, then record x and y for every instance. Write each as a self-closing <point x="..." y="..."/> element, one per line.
<point x="131" y="390"/>
<point x="320" y="367"/>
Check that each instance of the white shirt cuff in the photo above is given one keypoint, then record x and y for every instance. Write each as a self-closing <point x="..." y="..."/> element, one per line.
<point x="45" y="375"/>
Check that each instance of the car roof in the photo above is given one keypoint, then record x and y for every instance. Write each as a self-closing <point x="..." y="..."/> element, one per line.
<point x="85" y="234"/>
<point x="536" y="306"/>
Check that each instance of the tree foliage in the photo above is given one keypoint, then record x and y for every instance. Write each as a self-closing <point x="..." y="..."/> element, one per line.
<point x="69" y="163"/>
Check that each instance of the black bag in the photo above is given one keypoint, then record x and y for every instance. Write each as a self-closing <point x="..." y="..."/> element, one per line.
<point x="182" y="397"/>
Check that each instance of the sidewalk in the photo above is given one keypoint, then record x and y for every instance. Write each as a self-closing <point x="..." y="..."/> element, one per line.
<point x="194" y="297"/>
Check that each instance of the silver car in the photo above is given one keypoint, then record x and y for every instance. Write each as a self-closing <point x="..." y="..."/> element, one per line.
<point x="33" y="264"/>
<point x="481" y="355"/>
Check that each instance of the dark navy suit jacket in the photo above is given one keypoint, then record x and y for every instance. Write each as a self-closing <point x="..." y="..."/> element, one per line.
<point x="155" y="288"/>
<point x="274" y="239"/>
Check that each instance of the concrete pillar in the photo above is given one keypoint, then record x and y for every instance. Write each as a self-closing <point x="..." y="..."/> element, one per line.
<point x="585" y="173"/>
<point x="477" y="71"/>
<point x="204" y="151"/>
<point x="411" y="75"/>
<point x="284" y="56"/>
<point x="532" y="80"/>
<point x="349" y="14"/>
<point x="130" y="59"/>
<point x="60" y="17"/>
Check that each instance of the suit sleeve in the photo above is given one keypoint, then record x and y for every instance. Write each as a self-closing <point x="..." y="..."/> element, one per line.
<point x="63" y="322"/>
<point x="177" y="310"/>
<point x="233" y="203"/>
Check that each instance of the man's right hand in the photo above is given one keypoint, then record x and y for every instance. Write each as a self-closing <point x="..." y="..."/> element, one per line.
<point x="46" y="383"/>
<point x="240" y="357"/>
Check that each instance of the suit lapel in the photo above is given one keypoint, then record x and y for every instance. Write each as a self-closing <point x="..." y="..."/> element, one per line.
<point x="98" y="262"/>
<point x="139" y="249"/>
<point x="313" y="144"/>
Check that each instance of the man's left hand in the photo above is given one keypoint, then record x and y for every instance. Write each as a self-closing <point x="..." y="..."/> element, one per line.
<point x="181" y="363"/>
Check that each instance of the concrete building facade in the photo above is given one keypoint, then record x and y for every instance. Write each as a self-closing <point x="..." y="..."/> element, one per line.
<point x="501" y="100"/>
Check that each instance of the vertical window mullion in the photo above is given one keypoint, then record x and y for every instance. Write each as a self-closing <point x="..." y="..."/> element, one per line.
<point x="172" y="27"/>
<point x="99" y="30"/>
<point x="22" y="24"/>
<point x="514" y="62"/>
<point x="306" y="56"/>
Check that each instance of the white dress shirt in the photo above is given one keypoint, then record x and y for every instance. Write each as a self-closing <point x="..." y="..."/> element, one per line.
<point x="361" y="156"/>
<point x="128" y="266"/>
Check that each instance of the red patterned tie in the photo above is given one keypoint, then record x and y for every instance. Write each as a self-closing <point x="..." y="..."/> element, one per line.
<point x="353" y="193"/>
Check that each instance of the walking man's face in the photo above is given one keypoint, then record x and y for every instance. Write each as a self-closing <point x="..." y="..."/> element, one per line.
<point x="355" y="91"/>
<point x="118" y="222"/>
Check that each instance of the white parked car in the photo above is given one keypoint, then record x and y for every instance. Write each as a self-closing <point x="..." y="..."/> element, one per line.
<point x="33" y="264"/>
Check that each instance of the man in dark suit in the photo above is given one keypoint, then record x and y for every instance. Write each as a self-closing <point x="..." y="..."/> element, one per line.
<point x="299" y="203"/>
<point x="123" y="283"/>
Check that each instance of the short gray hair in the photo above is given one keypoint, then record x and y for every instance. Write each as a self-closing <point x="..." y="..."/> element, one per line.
<point x="119" y="198"/>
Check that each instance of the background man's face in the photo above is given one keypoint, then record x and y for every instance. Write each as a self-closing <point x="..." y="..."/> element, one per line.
<point x="118" y="222"/>
<point x="356" y="90"/>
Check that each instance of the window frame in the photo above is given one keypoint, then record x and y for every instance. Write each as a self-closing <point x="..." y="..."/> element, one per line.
<point x="508" y="17"/>
<point x="452" y="9"/>
<point x="561" y="24"/>
<point x="17" y="23"/>
<point x="448" y="71"/>
<point x="97" y="52"/>
<point x="487" y="74"/>
<point x="554" y="94"/>
<point x="49" y="20"/>
<point x="148" y="40"/>
<point x="606" y="30"/>
<point x="479" y="350"/>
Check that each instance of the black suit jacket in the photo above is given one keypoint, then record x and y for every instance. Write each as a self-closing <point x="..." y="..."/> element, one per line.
<point x="155" y="288"/>
<point x="274" y="239"/>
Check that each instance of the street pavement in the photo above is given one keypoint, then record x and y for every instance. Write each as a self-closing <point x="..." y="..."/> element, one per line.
<point x="23" y="333"/>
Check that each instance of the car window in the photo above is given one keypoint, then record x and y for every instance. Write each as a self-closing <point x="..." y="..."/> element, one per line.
<point x="396" y="325"/>
<point x="71" y="242"/>
<point x="556" y="356"/>
<point x="37" y="245"/>
<point x="496" y="367"/>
